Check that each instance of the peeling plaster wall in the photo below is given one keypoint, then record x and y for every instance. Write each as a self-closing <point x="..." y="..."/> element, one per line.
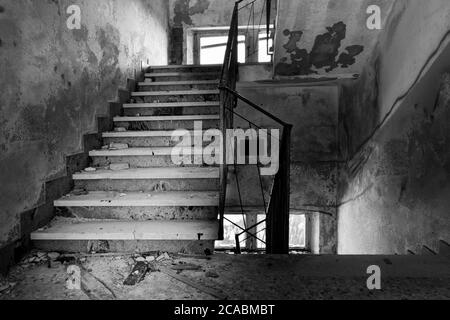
<point x="324" y="36"/>
<point x="395" y="188"/>
<point x="56" y="81"/>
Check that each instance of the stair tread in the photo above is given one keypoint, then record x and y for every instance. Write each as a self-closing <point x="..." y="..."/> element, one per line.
<point x="135" y="199"/>
<point x="148" y="151"/>
<point x="168" y="118"/>
<point x="73" y="229"/>
<point x="172" y="104"/>
<point x="176" y="74"/>
<point x="147" y="134"/>
<point x="187" y="66"/>
<point x="174" y="93"/>
<point x="151" y="173"/>
<point x="177" y="83"/>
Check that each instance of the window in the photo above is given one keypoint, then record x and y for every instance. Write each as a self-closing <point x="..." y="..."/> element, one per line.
<point x="230" y="231"/>
<point x="212" y="49"/>
<point x="297" y="232"/>
<point x="263" y="48"/>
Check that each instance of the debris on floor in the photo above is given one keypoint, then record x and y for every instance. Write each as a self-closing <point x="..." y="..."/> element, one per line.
<point x="120" y="129"/>
<point x="73" y="281"/>
<point x="138" y="274"/>
<point x="212" y="274"/>
<point x="214" y="293"/>
<point x="186" y="266"/>
<point x="90" y="169"/>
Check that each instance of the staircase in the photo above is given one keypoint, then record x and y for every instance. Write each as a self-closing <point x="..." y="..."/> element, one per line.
<point x="154" y="205"/>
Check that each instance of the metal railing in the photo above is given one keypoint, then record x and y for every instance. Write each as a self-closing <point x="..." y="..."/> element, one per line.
<point x="277" y="210"/>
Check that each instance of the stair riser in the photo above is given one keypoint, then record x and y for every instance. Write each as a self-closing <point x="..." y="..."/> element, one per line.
<point x="142" y="161"/>
<point x="178" y="87"/>
<point x="146" y="142"/>
<point x="166" y="125"/>
<point x="149" y="185"/>
<point x="177" y="98"/>
<point x="196" y="69"/>
<point x="131" y="112"/>
<point x="140" y="213"/>
<point x="184" y="77"/>
<point x="141" y="246"/>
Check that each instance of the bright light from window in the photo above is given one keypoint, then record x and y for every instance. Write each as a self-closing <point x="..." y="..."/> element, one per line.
<point x="262" y="48"/>
<point x="230" y="232"/>
<point x="212" y="49"/>
<point x="297" y="231"/>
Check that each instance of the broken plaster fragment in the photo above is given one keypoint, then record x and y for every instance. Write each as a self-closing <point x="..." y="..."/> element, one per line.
<point x="120" y="129"/>
<point x="119" y="166"/>
<point x="118" y="146"/>
<point x="90" y="169"/>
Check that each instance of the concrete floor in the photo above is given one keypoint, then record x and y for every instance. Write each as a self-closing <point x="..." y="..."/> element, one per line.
<point x="254" y="277"/>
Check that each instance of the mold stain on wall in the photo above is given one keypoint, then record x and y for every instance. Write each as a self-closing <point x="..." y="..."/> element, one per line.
<point x="324" y="54"/>
<point x="183" y="11"/>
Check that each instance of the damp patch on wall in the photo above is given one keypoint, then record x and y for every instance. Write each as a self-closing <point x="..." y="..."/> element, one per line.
<point x="325" y="55"/>
<point x="183" y="10"/>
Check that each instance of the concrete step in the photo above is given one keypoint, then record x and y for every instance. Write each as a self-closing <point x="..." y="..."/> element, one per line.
<point x="175" y="96"/>
<point x="150" y="173"/>
<point x="73" y="229"/>
<point x="179" y="85"/>
<point x="149" y="123"/>
<point x="186" y="68"/>
<point x="140" y="206"/>
<point x="166" y="109"/>
<point x="145" y="139"/>
<point x="120" y="246"/>
<point x="146" y="157"/>
<point x="150" y="180"/>
<point x="181" y="76"/>
<point x="156" y="199"/>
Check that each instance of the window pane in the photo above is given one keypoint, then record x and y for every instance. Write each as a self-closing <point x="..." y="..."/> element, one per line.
<point x="212" y="49"/>
<point x="262" y="48"/>
<point x="297" y="231"/>
<point x="230" y="232"/>
<point x="297" y="235"/>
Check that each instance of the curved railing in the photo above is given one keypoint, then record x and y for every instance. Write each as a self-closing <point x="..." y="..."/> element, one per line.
<point x="277" y="210"/>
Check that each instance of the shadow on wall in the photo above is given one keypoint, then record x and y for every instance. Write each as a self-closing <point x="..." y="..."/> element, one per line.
<point x="324" y="54"/>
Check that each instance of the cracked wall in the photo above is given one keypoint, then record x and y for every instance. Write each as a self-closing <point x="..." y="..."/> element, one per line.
<point x="56" y="81"/>
<point x="395" y="133"/>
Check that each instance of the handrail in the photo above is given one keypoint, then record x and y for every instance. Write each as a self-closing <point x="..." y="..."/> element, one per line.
<point x="277" y="211"/>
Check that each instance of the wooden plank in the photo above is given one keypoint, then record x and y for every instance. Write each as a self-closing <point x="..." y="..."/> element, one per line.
<point x="150" y="173"/>
<point x="155" y="199"/>
<point x="212" y="292"/>
<point x="72" y="229"/>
